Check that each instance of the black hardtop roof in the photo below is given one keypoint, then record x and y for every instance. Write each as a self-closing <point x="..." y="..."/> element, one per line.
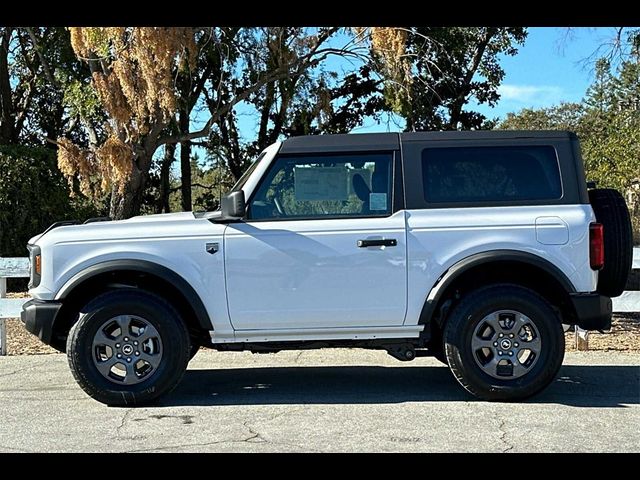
<point x="391" y="140"/>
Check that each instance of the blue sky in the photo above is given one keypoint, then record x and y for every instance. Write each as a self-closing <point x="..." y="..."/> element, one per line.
<point x="550" y="68"/>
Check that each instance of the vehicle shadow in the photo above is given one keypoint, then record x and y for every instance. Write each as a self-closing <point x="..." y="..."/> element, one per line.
<point x="580" y="386"/>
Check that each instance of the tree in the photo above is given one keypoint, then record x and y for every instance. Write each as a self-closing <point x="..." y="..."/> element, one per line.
<point x="315" y="99"/>
<point x="566" y="116"/>
<point x="37" y="65"/>
<point x="133" y="74"/>
<point x="449" y="66"/>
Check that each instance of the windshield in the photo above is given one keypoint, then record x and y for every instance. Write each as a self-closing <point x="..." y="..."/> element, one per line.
<point x="245" y="176"/>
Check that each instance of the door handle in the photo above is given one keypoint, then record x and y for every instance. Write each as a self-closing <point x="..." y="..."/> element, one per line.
<point x="380" y="242"/>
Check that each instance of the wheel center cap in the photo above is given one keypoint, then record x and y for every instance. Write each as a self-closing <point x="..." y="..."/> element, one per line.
<point x="505" y="344"/>
<point x="127" y="349"/>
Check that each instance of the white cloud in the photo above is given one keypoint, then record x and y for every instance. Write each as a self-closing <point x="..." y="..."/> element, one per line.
<point x="531" y="95"/>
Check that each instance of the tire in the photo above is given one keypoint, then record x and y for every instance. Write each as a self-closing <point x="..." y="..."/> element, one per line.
<point x="436" y="344"/>
<point x="163" y="339"/>
<point x="612" y="212"/>
<point x="438" y="354"/>
<point x="469" y="318"/>
<point x="193" y="350"/>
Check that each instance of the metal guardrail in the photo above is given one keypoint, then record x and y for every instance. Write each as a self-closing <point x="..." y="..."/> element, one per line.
<point x="18" y="267"/>
<point x="629" y="301"/>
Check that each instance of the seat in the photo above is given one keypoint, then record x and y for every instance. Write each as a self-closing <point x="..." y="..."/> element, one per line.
<point x="362" y="191"/>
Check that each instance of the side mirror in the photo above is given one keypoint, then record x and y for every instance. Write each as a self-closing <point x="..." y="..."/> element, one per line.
<point x="233" y="205"/>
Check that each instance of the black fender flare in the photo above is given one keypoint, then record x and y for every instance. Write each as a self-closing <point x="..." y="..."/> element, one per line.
<point x="142" y="266"/>
<point x="472" y="261"/>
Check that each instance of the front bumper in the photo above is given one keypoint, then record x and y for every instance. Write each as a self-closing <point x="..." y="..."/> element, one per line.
<point x="593" y="311"/>
<point x="38" y="317"/>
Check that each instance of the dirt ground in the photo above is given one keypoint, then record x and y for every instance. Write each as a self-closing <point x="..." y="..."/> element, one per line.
<point x="624" y="336"/>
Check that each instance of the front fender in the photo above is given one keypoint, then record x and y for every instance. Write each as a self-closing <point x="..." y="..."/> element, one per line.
<point x="142" y="266"/>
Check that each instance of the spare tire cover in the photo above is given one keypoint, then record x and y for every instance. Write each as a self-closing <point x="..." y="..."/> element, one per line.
<point x="612" y="212"/>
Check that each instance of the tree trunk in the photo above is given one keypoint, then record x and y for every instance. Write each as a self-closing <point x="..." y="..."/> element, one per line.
<point x="7" y="118"/>
<point x="185" y="162"/>
<point x="127" y="203"/>
<point x="165" y="170"/>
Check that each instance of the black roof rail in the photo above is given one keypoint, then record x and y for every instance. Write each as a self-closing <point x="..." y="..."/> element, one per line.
<point x="63" y="223"/>
<point x="97" y="219"/>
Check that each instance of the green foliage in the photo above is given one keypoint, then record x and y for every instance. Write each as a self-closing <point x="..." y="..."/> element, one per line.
<point x="81" y="99"/>
<point x="33" y="195"/>
<point x="451" y="66"/>
<point x="209" y="185"/>
<point x="566" y="116"/>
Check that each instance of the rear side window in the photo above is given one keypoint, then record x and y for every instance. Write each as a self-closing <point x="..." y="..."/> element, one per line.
<point x="490" y="174"/>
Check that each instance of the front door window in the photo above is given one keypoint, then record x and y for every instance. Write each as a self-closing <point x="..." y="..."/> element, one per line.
<point x="325" y="186"/>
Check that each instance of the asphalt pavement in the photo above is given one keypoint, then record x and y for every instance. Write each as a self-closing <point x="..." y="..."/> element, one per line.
<point x="326" y="401"/>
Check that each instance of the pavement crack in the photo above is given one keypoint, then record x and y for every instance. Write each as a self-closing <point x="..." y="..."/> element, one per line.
<point x="189" y="445"/>
<point x="255" y="436"/>
<point x="123" y="420"/>
<point x="24" y="369"/>
<point x="13" y="449"/>
<point x="503" y="437"/>
<point x="298" y="356"/>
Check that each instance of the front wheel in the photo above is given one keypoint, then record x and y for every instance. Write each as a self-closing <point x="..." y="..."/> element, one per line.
<point x="128" y="348"/>
<point x="504" y="342"/>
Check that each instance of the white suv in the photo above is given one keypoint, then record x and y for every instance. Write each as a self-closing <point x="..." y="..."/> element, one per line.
<point x="474" y="247"/>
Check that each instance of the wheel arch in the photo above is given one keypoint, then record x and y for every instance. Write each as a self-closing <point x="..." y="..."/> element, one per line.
<point x="131" y="273"/>
<point x="498" y="266"/>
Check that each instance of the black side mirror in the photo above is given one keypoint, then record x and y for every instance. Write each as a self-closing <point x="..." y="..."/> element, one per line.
<point x="233" y="205"/>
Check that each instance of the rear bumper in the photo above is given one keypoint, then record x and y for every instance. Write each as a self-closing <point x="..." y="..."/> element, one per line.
<point x="593" y="311"/>
<point x="38" y="317"/>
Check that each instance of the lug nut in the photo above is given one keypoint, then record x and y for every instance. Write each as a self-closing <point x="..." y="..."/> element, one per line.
<point x="135" y="343"/>
<point x="137" y="354"/>
<point x="511" y="354"/>
<point x="499" y="352"/>
<point x="501" y="335"/>
<point x="117" y="345"/>
<point x="511" y="335"/>
<point x="129" y="359"/>
<point x="126" y="339"/>
<point x="516" y="345"/>
<point x="118" y="356"/>
<point x="495" y="344"/>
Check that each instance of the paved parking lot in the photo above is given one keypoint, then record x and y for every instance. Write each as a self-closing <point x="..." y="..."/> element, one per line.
<point x="329" y="400"/>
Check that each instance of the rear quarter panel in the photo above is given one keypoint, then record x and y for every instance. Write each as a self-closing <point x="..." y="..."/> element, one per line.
<point x="437" y="239"/>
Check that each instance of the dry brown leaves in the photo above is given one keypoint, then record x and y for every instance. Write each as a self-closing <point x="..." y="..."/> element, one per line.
<point x="136" y="86"/>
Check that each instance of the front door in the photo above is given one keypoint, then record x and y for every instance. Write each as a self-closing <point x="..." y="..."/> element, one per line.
<point x="321" y="246"/>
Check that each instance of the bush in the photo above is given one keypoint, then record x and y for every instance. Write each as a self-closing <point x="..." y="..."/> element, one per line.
<point x="33" y="195"/>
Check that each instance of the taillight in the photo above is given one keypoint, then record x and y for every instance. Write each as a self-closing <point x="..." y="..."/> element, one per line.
<point x="596" y="246"/>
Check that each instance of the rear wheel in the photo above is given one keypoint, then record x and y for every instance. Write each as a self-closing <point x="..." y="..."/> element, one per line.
<point x="194" y="349"/>
<point x="504" y="342"/>
<point x="128" y="348"/>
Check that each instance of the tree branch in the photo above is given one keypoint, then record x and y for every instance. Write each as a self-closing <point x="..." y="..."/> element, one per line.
<point x="206" y="187"/>
<point x="314" y="55"/>
<point x="43" y="60"/>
